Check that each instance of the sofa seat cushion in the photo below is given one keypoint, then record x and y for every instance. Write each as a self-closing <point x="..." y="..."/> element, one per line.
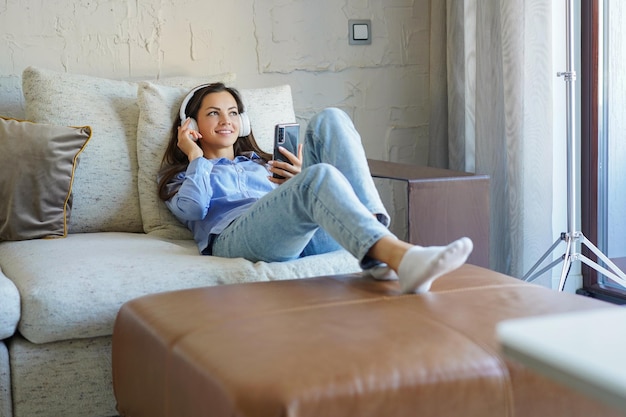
<point x="73" y="287"/>
<point x="9" y="307"/>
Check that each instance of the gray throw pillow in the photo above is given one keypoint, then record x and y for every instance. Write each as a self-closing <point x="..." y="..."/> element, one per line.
<point x="37" y="164"/>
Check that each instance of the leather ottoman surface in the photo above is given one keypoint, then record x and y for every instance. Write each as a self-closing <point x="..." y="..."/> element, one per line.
<point x="337" y="346"/>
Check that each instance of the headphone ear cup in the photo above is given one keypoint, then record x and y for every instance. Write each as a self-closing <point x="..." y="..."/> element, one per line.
<point x="244" y="125"/>
<point x="183" y="107"/>
<point x="193" y="125"/>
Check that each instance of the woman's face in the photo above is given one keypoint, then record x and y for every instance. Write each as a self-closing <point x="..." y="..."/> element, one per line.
<point x="218" y="123"/>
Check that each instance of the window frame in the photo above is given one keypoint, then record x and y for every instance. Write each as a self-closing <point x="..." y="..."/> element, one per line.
<point x="590" y="55"/>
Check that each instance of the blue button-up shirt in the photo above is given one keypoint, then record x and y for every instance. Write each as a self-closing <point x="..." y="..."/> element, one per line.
<point x="214" y="192"/>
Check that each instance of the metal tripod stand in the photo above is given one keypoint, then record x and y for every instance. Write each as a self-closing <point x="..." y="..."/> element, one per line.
<point x="573" y="237"/>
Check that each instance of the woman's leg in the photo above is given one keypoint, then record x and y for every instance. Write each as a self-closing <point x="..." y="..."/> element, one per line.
<point x="280" y="225"/>
<point x="321" y="242"/>
<point x="332" y="138"/>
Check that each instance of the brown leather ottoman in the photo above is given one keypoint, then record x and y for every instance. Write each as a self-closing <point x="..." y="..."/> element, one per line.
<point x="337" y="346"/>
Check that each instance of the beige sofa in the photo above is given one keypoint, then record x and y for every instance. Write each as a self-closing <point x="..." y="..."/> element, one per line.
<point x="112" y="242"/>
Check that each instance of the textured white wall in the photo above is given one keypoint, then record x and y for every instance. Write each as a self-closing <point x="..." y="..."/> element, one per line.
<point x="383" y="86"/>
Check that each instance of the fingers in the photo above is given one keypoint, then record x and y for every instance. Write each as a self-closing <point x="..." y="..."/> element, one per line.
<point x="276" y="180"/>
<point x="184" y="132"/>
<point x="284" y="169"/>
<point x="300" y="146"/>
<point x="295" y="160"/>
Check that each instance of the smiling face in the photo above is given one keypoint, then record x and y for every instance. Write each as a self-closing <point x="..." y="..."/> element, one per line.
<point x="218" y="123"/>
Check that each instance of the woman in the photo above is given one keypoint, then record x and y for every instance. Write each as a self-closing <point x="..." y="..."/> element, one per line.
<point x="220" y="185"/>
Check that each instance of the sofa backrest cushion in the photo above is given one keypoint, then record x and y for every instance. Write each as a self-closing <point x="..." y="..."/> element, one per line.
<point x="105" y="189"/>
<point x="105" y="193"/>
<point x="158" y="107"/>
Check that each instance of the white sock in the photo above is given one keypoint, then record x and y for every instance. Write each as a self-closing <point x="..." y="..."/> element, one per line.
<point x="382" y="272"/>
<point x="420" y="266"/>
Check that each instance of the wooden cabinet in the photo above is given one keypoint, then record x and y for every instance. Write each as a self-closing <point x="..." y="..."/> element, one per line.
<point x="440" y="205"/>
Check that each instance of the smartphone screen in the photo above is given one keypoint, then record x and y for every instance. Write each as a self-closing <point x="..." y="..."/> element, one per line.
<point x="287" y="136"/>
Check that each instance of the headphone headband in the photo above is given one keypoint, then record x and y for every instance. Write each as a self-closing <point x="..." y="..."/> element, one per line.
<point x="183" y="106"/>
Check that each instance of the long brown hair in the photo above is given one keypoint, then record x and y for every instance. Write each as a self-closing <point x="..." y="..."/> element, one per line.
<point x="175" y="161"/>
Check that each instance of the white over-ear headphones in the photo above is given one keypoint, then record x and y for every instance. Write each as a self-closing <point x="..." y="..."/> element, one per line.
<point x="244" y="121"/>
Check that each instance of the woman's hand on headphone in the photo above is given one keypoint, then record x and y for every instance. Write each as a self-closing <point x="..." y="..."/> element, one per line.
<point x="285" y="169"/>
<point x="188" y="141"/>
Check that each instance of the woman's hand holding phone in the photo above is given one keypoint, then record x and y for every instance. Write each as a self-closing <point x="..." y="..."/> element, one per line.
<point x="286" y="170"/>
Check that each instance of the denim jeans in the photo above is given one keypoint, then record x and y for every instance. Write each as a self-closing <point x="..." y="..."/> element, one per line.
<point x="332" y="203"/>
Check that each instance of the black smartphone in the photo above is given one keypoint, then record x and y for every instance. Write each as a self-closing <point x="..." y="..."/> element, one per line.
<point x="286" y="135"/>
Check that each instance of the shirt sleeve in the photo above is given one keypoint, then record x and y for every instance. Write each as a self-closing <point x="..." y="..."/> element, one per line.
<point x="191" y="201"/>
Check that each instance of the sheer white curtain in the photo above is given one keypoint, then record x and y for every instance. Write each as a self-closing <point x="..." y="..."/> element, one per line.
<point x="491" y="113"/>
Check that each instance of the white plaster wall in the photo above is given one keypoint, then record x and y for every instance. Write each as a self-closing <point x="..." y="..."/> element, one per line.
<point x="383" y="86"/>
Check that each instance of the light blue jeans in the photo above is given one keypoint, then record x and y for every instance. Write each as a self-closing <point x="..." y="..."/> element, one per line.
<point x="329" y="205"/>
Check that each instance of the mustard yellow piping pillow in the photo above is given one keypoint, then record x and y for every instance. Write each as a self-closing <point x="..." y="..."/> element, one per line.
<point x="37" y="164"/>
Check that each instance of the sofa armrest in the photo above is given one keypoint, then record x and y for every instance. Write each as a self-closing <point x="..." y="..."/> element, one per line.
<point x="9" y="307"/>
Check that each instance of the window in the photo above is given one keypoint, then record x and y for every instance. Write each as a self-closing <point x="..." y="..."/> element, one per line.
<point x="603" y="140"/>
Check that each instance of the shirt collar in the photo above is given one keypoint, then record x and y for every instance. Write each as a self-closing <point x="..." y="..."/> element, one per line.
<point x="250" y="155"/>
<point x="245" y="156"/>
